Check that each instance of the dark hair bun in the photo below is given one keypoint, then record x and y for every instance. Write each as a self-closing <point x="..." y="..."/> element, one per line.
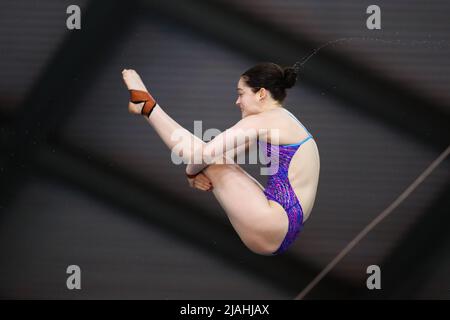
<point x="290" y="75"/>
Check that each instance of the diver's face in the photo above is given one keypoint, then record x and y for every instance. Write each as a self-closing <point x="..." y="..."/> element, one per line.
<point x="248" y="101"/>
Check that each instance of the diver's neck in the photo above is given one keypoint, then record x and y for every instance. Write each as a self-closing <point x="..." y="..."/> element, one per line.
<point x="271" y="106"/>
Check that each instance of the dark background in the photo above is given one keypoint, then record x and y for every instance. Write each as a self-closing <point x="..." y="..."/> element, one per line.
<point x="85" y="183"/>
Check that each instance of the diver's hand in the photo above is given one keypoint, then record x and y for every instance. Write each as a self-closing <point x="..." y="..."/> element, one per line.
<point x="201" y="182"/>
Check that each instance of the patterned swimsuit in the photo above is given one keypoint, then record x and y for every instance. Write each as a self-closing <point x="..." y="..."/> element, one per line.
<point x="279" y="188"/>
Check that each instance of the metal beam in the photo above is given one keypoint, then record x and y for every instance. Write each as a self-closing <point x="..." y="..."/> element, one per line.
<point x="56" y="93"/>
<point x="404" y="270"/>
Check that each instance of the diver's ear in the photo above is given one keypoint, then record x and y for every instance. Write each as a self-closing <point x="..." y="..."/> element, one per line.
<point x="262" y="93"/>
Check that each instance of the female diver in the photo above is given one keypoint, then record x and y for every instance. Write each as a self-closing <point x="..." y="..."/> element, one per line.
<point x="268" y="219"/>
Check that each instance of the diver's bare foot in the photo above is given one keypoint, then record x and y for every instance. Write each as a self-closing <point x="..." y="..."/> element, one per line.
<point x="134" y="82"/>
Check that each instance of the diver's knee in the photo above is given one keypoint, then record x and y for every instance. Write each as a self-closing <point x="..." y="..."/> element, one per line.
<point x="261" y="246"/>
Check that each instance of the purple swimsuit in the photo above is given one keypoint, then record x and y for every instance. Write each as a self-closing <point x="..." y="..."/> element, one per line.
<point x="279" y="188"/>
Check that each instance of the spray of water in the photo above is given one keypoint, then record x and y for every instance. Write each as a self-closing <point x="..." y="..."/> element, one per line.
<point x="430" y="43"/>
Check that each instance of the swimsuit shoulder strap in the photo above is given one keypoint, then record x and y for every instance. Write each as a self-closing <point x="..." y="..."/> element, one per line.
<point x="295" y="118"/>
